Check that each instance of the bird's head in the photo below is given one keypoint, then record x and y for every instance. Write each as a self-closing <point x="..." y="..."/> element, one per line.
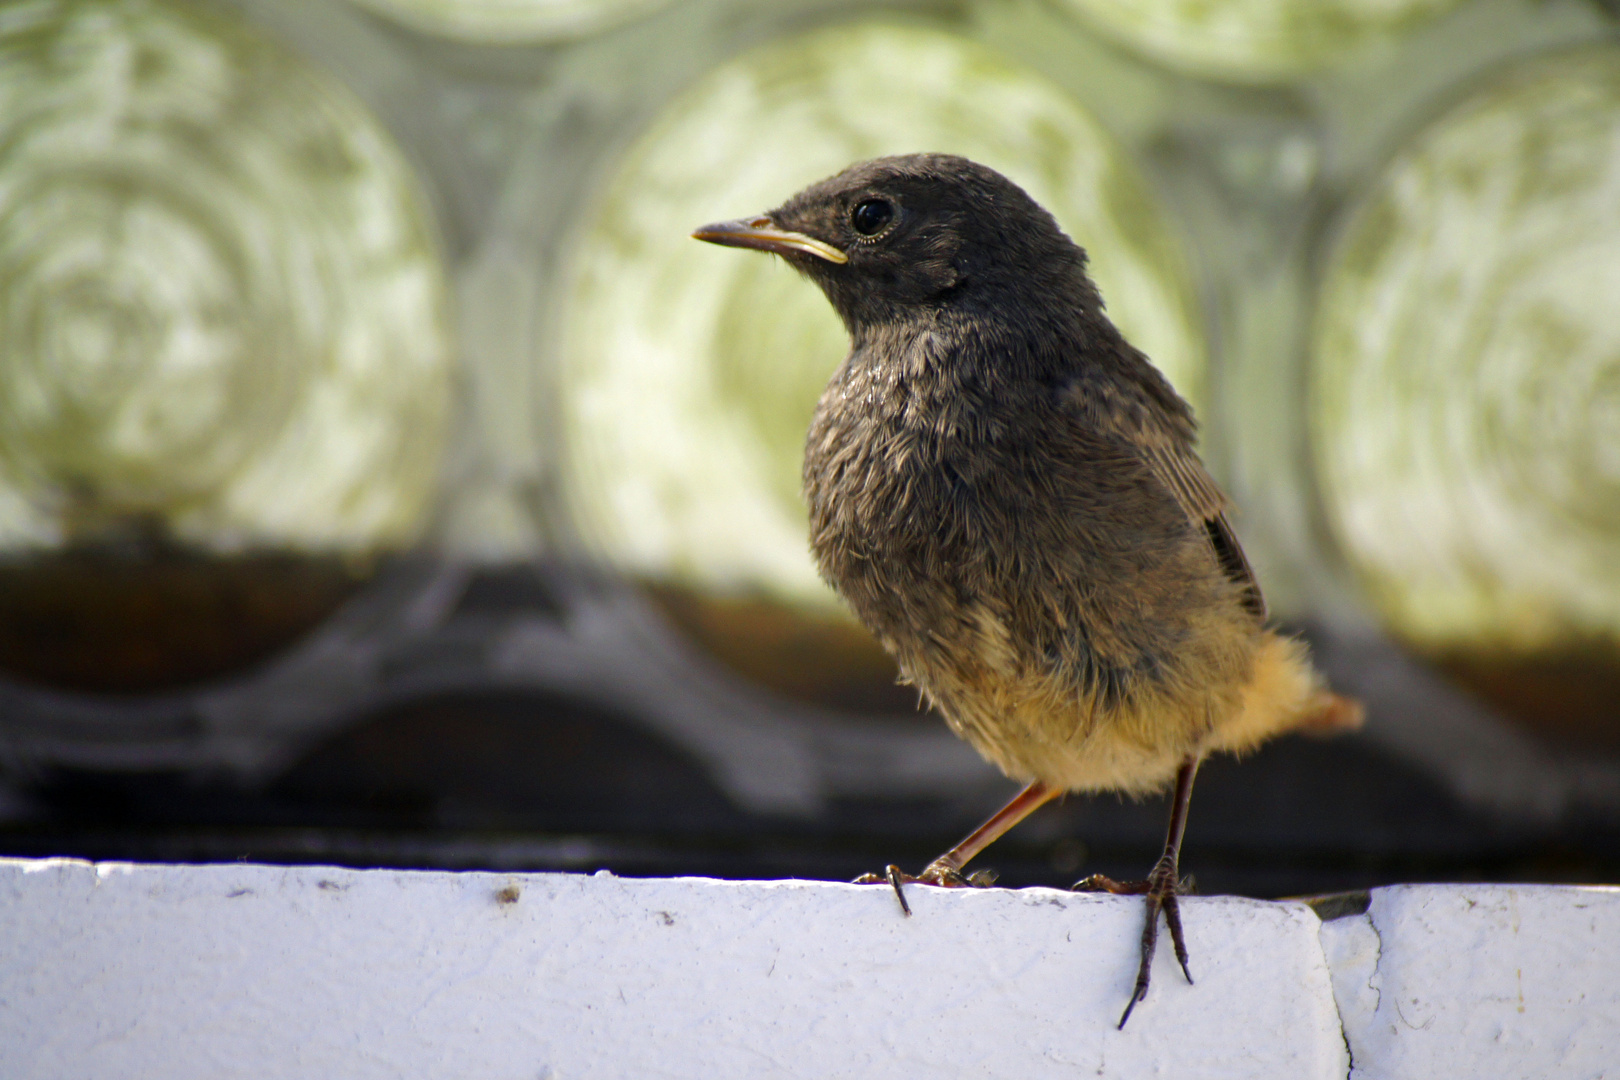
<point x="892" y="238"/>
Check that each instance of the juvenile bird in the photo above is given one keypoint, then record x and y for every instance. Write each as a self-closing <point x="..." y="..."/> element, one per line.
<point x="1006" y="493"/>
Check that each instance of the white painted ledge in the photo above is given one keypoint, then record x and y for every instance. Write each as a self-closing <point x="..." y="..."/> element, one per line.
<point x="119" y="970"/>
<point x="1481" y="981"/>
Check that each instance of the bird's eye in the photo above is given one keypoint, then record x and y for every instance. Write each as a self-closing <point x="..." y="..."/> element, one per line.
<point x="872" y="216"/>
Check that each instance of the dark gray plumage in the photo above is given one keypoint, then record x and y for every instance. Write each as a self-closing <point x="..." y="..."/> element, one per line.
<point x="1007" y="494"/>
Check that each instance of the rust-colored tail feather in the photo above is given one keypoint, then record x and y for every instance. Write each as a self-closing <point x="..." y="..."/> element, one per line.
<point x="1333" y="714"/>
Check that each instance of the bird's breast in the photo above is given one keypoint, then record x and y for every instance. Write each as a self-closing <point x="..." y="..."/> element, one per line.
<point x="884" y="473"/>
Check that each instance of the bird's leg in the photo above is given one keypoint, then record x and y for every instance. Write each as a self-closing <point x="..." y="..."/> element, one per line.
<point x="947" y="869"/>
<point x="1161" y="888"/>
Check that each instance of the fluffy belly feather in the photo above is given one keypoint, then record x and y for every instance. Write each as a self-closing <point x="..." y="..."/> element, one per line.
<point x="1044" y="725"/>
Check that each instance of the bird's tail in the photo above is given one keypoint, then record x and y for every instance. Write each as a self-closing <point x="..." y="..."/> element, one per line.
<point x="1285" y="693"/>
<point x="1332" y="714"/>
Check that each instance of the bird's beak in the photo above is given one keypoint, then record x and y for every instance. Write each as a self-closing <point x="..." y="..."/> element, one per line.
<point x="761" y="234"/>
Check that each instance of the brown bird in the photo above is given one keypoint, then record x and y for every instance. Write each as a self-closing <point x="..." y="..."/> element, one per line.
<point x="1006" y="493"/>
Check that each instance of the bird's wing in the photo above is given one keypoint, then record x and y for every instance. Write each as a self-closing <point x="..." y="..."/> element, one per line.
<point x="1157" y="426"/>
<point x="1179" y="469"/>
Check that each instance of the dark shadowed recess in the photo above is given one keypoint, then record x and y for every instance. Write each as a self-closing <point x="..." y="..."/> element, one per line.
<point x="142" y="618"/>
<point x="521" y="780"/>
<point x="822" y="659"/>
<point x="1570" y="696"/>
<point x="504" y="760"/>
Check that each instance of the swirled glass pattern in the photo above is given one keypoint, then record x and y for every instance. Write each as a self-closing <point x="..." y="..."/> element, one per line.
<point x="1467" y="371"/>
<point x="1255" y="40"/>
<point x="497" y="22"/>
<point x="690" y="372"/>
<point x="221" y="308"/>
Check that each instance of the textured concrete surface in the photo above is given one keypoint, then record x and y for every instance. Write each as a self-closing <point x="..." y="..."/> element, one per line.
<point x="1519" y="981"/>
<point x="119" y="970"/>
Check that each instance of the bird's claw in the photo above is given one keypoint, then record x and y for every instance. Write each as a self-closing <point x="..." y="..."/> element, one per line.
<point x="938" y="872"/>
<point x="1161" y="888"/>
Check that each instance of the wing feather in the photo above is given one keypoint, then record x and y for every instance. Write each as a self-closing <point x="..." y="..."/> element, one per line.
<point x="1145" y="415"/>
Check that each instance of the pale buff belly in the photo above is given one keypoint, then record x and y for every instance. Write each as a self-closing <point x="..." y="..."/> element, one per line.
<point x="1037" y="726"/>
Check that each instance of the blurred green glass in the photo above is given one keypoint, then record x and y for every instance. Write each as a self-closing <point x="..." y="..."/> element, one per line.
<point x="223" y="340"/>
<point x="504" y="22"/>
<point x="1256" y="40"/>
<point x="1467" y="391"/>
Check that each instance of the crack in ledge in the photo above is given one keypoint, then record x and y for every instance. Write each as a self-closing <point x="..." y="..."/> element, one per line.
<point x="1331" y="907"/>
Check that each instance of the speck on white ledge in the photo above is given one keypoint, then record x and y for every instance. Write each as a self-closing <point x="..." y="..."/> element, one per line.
<point x="117" y="970"/>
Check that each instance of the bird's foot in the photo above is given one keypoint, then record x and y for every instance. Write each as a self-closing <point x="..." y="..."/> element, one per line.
<point x="938" y="872"/>
<point x="1161" y="889"/>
